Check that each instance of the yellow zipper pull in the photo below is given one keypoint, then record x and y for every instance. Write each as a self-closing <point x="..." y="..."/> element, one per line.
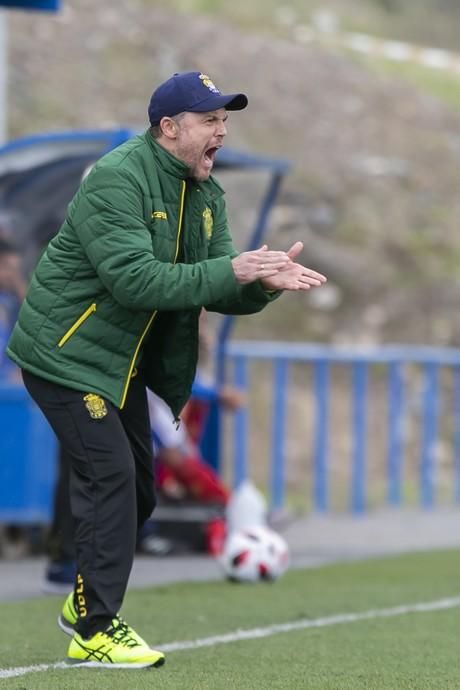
<point x="77" y="324"/>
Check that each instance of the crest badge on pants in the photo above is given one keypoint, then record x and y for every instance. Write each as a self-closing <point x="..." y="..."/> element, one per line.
<point x="95" y="405"/>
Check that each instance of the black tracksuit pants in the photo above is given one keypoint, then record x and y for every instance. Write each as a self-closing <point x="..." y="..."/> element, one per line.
<point x="111" y="488"/>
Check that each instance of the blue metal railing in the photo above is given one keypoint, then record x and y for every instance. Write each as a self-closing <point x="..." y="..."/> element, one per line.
<point x="27" y="448"/>
<point x="241" y="355"/>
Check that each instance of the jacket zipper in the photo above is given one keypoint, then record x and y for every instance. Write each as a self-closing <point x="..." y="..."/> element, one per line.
<point x="77" y="324"/>
<point x="150" y="321"/>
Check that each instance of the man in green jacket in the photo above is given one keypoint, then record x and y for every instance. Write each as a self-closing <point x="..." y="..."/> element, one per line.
<point x="113" y="307"/>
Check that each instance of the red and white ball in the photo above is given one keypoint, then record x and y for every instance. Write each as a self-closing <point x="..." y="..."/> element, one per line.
<point x="255" y="554"/>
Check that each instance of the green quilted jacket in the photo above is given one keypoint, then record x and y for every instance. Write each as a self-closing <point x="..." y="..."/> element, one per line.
<point x="121" y="286"/>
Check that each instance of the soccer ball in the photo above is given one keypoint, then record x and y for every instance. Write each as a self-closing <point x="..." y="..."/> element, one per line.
<point x="254" y="554"/>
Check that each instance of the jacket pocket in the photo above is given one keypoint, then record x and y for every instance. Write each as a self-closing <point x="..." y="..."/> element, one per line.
<point x="77" y="324"/>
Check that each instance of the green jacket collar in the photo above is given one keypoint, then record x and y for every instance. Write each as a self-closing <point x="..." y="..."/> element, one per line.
<point x="166" y="160"/>
<point x="178" y="168"/>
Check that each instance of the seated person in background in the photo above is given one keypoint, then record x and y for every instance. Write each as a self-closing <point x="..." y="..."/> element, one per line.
<point x="204" y="395"/>
<point x="181" y="473"/>
<point x="12" y="291"/>
<point x="205" y="392"/>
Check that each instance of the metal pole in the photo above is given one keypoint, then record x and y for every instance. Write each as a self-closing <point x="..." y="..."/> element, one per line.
<point x="430" y="418"/>
<point x="395" y="433"/>
<point x="3" y="76"/>
<point x="279" y="414"/>
<point x="359" y="425"/>
<point x="321" y="437"/>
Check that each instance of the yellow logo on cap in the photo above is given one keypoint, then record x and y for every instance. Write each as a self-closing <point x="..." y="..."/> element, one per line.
<point x="209" y="83"/>
<point x="95" y="406"/>
<point x="208" y="222"/>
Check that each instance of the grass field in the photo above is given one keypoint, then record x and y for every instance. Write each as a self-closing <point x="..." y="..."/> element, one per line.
<point x="349" y="626"/>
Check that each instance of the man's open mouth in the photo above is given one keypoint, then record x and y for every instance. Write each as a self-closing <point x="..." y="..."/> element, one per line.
<point x="210" y="154"/>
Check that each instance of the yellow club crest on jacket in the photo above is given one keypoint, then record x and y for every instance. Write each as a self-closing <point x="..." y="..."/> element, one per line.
<point x="208" y="222"/>
<point x="95" y="405"/>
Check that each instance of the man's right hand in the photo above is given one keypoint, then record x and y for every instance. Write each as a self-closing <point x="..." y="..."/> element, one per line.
<point x="258" y="264"/>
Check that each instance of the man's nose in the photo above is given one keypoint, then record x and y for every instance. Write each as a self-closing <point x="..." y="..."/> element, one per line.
<point x="221" y="129"/>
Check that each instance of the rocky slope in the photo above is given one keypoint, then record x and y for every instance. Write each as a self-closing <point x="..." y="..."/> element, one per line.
<point x="374" y="188"/>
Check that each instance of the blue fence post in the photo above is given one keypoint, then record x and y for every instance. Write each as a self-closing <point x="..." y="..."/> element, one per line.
<point x="320" y="449"/>
<point x="358" y="360"/>
<point x="456" y="415"/>
<point x="359" y="424"/>
<point x="280" y="381"/>
<point x="240" y="462"/>
<point x="429" y="434"/>
<point x="395" y="433"/>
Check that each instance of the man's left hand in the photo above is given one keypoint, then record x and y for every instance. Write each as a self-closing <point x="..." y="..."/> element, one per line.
<point x="294" y="277"/>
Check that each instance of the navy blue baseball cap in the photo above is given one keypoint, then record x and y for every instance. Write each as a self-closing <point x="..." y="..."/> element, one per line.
<point x="190" y="92"/>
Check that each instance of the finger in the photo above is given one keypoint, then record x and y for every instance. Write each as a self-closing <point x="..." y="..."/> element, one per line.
<point x="295" y="250"/>
<point x="274" y="265"/>
<point x="273" y="257"/>
<point x="267" y="273"/>
<point x="295" y="285"/>
<point x="300" y="285"/>
<point x="315" y="274"/>
<point x="258" y="257"/>
<point x="303" y="270"/>
<point x="263" y="268"/>
<point x="311" y="280"/>
<point x="295" y="279"/>
<point x="271" y="268"/>
<point x="307" y="280"/>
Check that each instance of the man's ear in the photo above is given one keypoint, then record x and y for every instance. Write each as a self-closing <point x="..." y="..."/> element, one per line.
<point x="168" y="127"/>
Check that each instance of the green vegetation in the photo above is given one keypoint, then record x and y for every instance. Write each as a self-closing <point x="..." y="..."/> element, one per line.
<point x="414" y="650"/>
<point x="429" y="22"/>
<point x="441" y="84"/>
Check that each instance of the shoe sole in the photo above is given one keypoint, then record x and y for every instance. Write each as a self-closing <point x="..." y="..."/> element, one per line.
<point x="65" y="626"/>
<point x="101" y="664"/>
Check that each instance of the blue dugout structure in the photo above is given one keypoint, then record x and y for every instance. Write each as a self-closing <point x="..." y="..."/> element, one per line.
<point x="41" y="5"/>
<point x="38" y="177"/>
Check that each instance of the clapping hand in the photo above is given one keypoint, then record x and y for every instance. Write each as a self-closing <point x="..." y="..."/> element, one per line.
<point x="293" y="276"/>
<point x="259" y="263"/>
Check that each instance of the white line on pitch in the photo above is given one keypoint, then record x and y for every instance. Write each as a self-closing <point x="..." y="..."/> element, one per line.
<point x="268" y="631"/>
<point x="306" y="623"/>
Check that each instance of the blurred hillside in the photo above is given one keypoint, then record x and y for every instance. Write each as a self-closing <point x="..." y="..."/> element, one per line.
<point x="429" y="22"/>
<point x="376" y="152"/>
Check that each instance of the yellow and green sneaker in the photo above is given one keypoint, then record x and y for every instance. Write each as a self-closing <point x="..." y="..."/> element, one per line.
<point x="67" y="621"/>
<point x="115" y="647"/>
